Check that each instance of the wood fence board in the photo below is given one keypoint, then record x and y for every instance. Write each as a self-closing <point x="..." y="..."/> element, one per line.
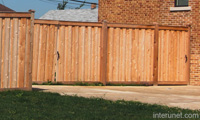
<point x="81" y="54"/>
<point x="67" y="55"/>
<point x="54" y="74"/>
<point x="86" y="55"/>
<point x="76" y="52"/>
<point x="21" y="52"/>
<point x="110" y="53"/>
<point x="128" y="55"/>
<point x="99" y="53"/>
<point x="35" y="51"/>
<point x="27" y="77"/>
<point x="11" y="55"/>
<point x="3" y="55"/>
<point x="89" y="52"/>
<point x="96" y="54"/>
<point x="61" y="48"/>
<point x="15" y="56"/>
<point x="134" y="56"/>
<point x="50" y="53"/>
<point x="6" y="58"/>
<point x="42" y="54"/>
<point x="115" y="57"/>
<point x="123" y="70"/>
<point x="1" y="34"/>
<point x="152" y="55"/>
<point x="93" y="55"/>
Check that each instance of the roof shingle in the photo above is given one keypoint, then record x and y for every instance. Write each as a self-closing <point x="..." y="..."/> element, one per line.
<point x="82" y="15"/>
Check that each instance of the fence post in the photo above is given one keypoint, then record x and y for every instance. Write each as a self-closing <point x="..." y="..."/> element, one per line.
<point x="31" y="46"/>
<point x="103" y="53"/>
<point x="155" y="61"/>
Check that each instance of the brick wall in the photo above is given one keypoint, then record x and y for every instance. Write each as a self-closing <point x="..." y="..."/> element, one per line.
<point x="150" y="11"/>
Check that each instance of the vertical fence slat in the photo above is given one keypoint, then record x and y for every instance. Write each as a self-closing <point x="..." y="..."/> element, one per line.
<point x="55" y="38"/>
<point x="127" y="55"/>
<point x="50" y="53"/>
<point x="27" y="54"/>
<point x="21" y="52"/>
<point x="11" y="55"/>
<point x="110" y="54"/>
<point x="6" y="53"/>
<point x="80" y="54"/>
<point x="3" y="55"/>
<point x="66" y="68"/>
<point x="35" y="52"/>
<point x="89" y="52"/>
<point x="134" y="57"/>
<point x="86" y="54"/>
<point x="115" y="55"/>
<point x="76" y="51"/>
<point x="61" y="48"/>
<point x="42" y="54"/>
<point x="137" y="55"/>
<point x="99" y="56"/>
<point x="96" y="55"/>
<point x="123" y="55"/>
<point x="15" y="41"/>
<point x="92" y="54"/>
<point x="1" y="34"/>
<point x="47" y="59"/>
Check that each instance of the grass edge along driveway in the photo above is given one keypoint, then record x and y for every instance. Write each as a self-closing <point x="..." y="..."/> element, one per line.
<point x="35" y="105"/>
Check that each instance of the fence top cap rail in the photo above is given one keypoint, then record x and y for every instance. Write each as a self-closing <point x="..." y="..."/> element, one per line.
<point x="57" y="22"/>
<point x="131" y="26"/>
<point x="15" y="14"/>
<point x="161" y="27"/>
<point x="180" y="28"/>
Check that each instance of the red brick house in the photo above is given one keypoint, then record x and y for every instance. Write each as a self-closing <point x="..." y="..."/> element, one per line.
<point x="164" y="12"/>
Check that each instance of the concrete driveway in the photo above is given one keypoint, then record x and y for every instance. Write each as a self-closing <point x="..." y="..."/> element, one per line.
<point x="172" y="96"/>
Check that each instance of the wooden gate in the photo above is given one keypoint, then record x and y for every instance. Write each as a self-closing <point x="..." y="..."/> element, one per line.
<point x="67" y="52"/>
<point x="173" y="60"/>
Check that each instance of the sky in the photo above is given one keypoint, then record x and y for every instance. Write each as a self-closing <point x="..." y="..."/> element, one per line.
<point x="40" y="6"/>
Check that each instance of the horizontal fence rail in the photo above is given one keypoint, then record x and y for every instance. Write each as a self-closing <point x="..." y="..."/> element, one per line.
<point x="73" y="52"/>
<point x="15" y="50"/>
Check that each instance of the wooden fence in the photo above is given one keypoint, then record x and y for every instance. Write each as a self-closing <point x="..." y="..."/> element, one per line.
<point x="72" y="52"/>
<point x="16" y="50"/>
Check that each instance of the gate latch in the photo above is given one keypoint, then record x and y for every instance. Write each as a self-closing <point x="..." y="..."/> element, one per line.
<point x="58" y="55"/>
<point x="186" y="58"/>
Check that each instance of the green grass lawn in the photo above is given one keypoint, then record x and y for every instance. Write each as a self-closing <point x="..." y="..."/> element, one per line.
<point x="20" y="105"/>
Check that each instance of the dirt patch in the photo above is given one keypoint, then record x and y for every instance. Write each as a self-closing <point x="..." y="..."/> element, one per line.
<point x="173" y="96"/>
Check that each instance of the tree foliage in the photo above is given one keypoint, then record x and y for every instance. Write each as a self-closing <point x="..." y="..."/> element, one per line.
<point x="62" y="6"/>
